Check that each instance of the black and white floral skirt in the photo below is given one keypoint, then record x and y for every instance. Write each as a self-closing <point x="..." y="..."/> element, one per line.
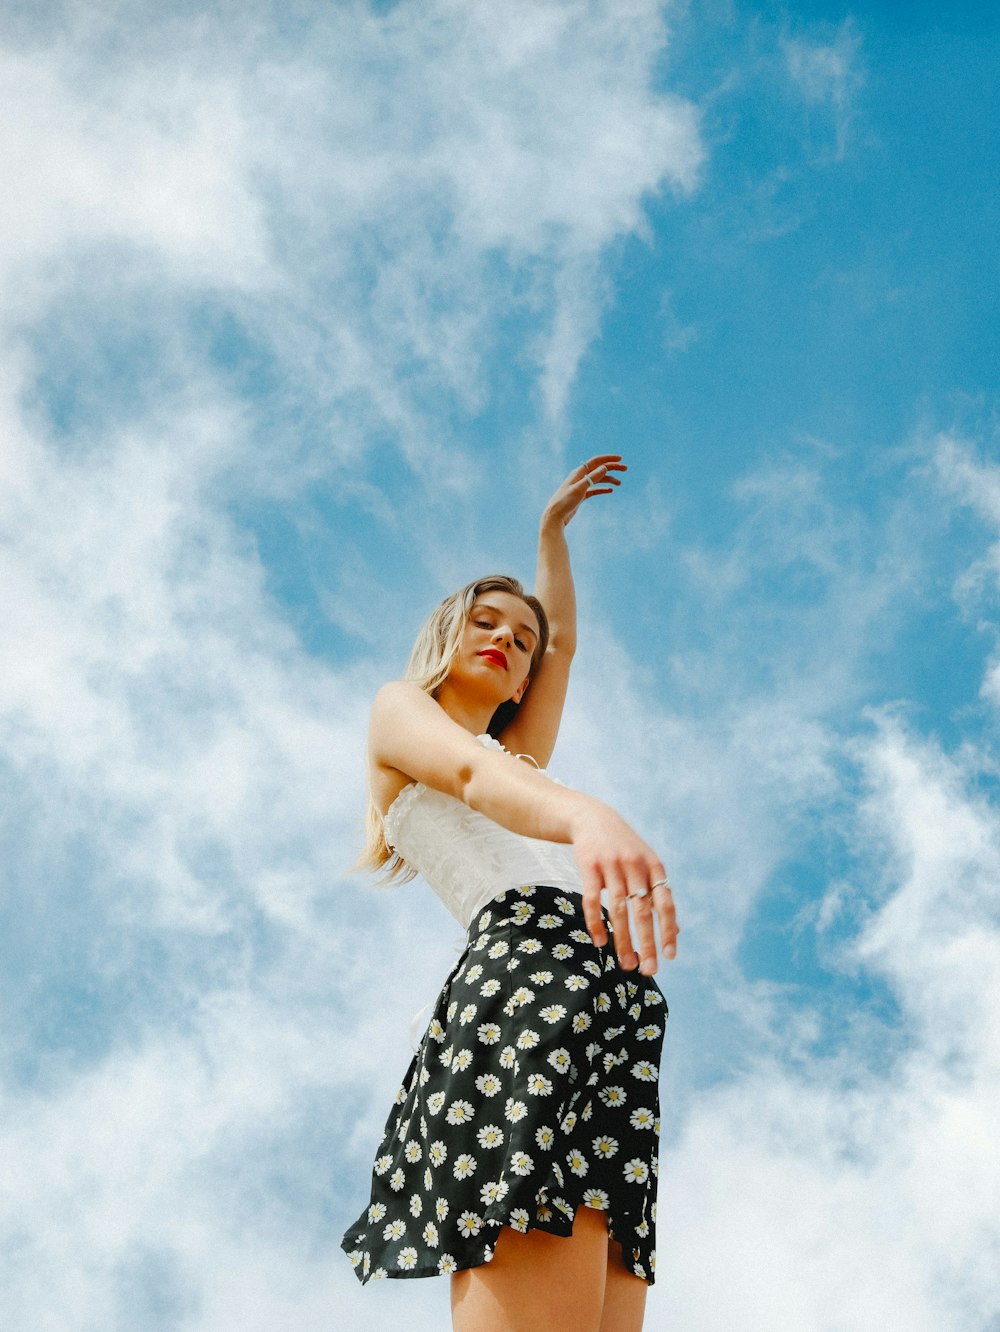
<point x="534" y="1092"/>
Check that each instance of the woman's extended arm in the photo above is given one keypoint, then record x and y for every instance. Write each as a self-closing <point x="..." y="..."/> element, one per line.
<point x="412" y="735"/>
<point x="535" y="728"/>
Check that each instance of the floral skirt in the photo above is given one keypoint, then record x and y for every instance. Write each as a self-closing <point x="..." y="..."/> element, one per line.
<point x="534" y="1092"/>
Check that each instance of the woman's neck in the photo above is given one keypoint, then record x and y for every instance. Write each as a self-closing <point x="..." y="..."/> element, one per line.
<point x="471" y="713"/>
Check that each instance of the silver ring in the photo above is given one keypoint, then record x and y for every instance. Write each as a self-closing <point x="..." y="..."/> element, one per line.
<point x="640" y="892"/>
<point x="661" y="883"/>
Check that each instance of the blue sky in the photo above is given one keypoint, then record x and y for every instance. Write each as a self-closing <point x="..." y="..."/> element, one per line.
<point x="305" y="314"/>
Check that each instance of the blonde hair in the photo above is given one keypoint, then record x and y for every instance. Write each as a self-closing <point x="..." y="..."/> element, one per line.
<point x="429" y="666"/>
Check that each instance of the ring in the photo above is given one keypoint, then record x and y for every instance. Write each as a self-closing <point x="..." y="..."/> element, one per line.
<point x="640" y="892"/>
<point x="661" y="883"/>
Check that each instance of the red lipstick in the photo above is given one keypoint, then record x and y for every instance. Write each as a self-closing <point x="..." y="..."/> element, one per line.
<point x="494" y="654"/>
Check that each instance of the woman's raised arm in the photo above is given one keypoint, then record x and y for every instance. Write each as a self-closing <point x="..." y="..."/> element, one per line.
<point x="535" y="728"/>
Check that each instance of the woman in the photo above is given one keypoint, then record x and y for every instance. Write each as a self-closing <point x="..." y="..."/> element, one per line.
<point x="521" y="1155"/>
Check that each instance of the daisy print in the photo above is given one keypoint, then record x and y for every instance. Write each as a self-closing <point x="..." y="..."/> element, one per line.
<point x="490" y="1136"/>
<point x="452" y="1010"/>
<point x="552" y="1013"/>
<point x="651" y="998"/>
<point x="407" y="1259"/>
<point x="435" y="1101"/>
<point x="413" y="1152"/>
<point x="525" y="890"/>
<point x="564" y="906"/>
<point x="465" y="1165"/>
<point x="648" y="1033"/>
<point x="541" y="977"/>
<point x="597" y="1199"/>
<point x="461" y="1061"/>
<point x="634" y="1012"/>
<point x="382" y="1164"/>
<point x="441" y="1209"/>
<point x="636" y="1171"/>
<point x="581" y="1021"/>
<point x="522" y="913"/>
<point x="577" y="1162"/>
<point x="488" y="1083"/>
<point x="591" y="966"/>
<point x="428" y="1179"/>
<point x="581" y="936"/>
<point x="431" y="1235"/>
<point x="576" y="982"/>
<point x="529" y="946"/>
<point x="603" y="1003"/>
<point x="527" y="1040"/>
<point x="416" y="1204"/>
<point x="521" y="1163"/>
<point x="437" y="1152"/>
<point x="645" y="1071"/>
<point x="470" y="1223"/>
<point x="605" y="1146"/>
<point x="519" y="1220"/>
<point x="545" y="1137"/>
<point x="467" y="1014"/>
<point x="562" y="951"/>
<point x="376" y="1212"/>
<point x="447" y="1264"/>
<point x="395" y="1230"/>
<point x="435" y="1031"/>
<point x="493" y="1192"/>
<point x="549" y="922"/>
<point x="539" y="1084"/>
<point x="508" y="1057"/>
<point x="515" y="1110"/>
<point x="499" y="949"/>
<point x="396" y="1180"/>
<point x="560" y="1060"/>
<point x="612" y="1095"/>
<point x="459" y="1112"/>
<point x="641" y="1118"/>
<point x="473" y="974"/>
<point x="489" y="988"/>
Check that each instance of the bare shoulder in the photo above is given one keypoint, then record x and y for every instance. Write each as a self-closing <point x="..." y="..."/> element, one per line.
<point x="412" y="739"/>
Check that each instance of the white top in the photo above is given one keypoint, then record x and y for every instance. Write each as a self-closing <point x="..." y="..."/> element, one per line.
<point x="467" y="858"/>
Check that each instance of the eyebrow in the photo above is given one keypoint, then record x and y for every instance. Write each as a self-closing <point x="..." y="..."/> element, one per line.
<point x="525" y="628"/>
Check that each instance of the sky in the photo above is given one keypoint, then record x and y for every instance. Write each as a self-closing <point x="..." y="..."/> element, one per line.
<point x="307" y="309"/>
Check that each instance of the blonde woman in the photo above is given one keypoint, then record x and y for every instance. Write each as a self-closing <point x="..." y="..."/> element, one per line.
<point x="520" y="1155"/>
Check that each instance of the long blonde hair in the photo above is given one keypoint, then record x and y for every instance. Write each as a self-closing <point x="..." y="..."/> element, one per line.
<point x="429" y="666"/>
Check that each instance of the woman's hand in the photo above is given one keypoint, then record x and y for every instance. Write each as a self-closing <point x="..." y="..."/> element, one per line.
<point x="594" y="477"/>
<point x="612" y="856"/>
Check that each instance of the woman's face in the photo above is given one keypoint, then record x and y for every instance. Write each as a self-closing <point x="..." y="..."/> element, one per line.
<point x="500" y="636"/>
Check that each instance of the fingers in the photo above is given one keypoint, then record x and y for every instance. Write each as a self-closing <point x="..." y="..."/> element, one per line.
<point x="592" y="914"/>
<point x="617" y="887"/>
<point x="663" y="901"/>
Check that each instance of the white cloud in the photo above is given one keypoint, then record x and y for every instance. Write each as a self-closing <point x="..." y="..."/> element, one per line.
<point x="863" y="1189"/>
<point x="205" y="1014"/>
<point x="828" y="72"/>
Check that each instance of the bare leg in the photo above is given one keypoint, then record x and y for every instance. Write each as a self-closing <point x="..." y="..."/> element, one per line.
<point x="537" y="1281"/>
<point x="624" y="1296"/>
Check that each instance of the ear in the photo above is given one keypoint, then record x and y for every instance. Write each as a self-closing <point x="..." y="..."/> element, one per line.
<point x="521" y="690"/>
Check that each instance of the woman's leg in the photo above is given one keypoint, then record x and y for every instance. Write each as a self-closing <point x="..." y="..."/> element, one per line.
<point x="538" y="1281"/>
<point x="624" y="1296"/>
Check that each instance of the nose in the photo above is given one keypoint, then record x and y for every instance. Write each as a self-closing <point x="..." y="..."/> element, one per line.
<point x="503" y="635"/>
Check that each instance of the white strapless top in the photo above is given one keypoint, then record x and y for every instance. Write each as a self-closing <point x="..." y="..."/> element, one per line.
<point x="467" y="858"/>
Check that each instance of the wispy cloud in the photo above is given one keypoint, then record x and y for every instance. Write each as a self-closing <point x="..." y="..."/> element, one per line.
<point x="830" y="73"/>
